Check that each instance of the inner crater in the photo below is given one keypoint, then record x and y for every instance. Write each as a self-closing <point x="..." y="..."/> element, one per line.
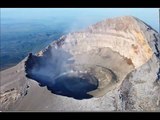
<point x="74" y="84"/>
<point x="80" y="76"/>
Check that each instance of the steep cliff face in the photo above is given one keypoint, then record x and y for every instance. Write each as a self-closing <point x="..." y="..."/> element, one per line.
<point x="113" y="65"/>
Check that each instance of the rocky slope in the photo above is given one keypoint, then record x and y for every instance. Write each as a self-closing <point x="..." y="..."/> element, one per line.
<point x="113" y="65"/>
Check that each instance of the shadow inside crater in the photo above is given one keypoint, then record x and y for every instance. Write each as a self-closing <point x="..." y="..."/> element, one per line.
<point x="50" y="71"/>
<point x="69" y="84"/>
<point x="74" y="85"/>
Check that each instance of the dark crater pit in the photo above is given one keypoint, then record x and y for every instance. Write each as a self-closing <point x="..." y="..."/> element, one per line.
<point x="74" y="84"/>
<point x="65" y="82"/>
<point x="70" y="84"/>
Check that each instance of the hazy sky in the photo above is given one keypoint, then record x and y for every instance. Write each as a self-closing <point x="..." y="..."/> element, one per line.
<point x="79" y="16"/>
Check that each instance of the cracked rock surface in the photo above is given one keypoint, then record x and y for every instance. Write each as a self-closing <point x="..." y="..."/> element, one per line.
<point x="113" y="65"/>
